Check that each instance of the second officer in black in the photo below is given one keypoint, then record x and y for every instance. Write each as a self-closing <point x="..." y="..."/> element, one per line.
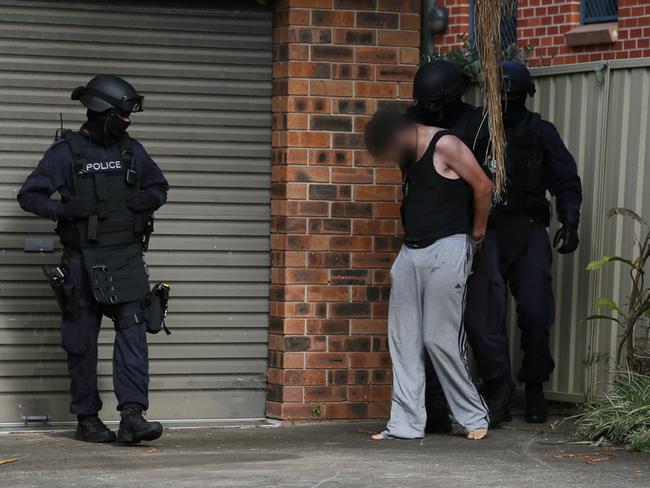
<point x="517" y="252"/>
<point x="109" y="189"/>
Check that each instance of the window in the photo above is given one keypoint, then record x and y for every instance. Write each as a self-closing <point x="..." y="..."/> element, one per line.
<point x="594" y="11"/>
<point x="508" y="26"/>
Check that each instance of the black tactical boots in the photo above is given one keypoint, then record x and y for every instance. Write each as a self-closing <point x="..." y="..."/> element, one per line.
<point x="498" y="397"/>
<point x="134" y="428"/>
<point x="90" y="428"/>
<point x="536" y="410"/>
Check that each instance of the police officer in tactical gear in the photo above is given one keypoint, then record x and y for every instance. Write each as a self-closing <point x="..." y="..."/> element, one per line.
<point x="109" y="189"/>
<point x="438" y="88"/>
<point x="517" y="252"/>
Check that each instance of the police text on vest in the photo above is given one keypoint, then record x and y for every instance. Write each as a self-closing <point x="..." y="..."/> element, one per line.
<point x="103" y="166"/>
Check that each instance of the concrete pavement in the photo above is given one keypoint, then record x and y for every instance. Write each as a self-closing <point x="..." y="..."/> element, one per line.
<point x="327" y="455"/>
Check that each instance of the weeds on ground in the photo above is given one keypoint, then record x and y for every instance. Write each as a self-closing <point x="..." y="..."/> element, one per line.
<point x="623" y="416"/>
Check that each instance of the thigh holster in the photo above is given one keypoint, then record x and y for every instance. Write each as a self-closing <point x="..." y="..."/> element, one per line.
<point x="123" y="320"/>
<point x="157" y="308"/>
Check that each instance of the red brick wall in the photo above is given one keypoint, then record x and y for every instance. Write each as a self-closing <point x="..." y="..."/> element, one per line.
<point x="334" y="210"/>
<point x="544" y="23"/>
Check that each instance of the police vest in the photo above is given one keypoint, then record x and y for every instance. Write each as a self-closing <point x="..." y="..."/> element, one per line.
<point x="527" y="180"/>
<point x="107" y="184"/>
<point x="112" y="241"/>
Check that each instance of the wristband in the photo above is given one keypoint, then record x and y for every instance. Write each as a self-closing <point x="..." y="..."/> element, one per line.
<point x="476" y="242"/>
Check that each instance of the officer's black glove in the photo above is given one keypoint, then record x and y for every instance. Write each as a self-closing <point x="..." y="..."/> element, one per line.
<point x="142" y="201"/>
<point x="568" y="236"/>
<point x="76" y="208"/>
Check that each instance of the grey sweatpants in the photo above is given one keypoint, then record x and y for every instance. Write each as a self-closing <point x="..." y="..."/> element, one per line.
<point x="427" y="302"/>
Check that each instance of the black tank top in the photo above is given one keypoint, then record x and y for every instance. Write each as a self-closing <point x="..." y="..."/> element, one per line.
<point x="434" y="206"/>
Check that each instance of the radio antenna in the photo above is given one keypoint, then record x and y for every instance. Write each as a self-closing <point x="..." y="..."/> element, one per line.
<point x="59" y="132"/>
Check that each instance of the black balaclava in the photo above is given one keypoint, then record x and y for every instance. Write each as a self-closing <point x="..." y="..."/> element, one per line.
<point x="105" y="127"/>
<point x="513" y="108"/>
<point x="446" y="116"/>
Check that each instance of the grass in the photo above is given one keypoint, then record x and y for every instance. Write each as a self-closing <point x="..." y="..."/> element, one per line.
<point x="623" y="416"/>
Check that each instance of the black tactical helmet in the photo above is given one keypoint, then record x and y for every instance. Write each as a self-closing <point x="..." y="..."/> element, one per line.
<point x="438" y="83"/>
<point x="516" y="78"/>
<point x="107" y="92"/>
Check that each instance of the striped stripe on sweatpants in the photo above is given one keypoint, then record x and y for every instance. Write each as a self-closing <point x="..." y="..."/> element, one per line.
<point x="426" y="310"/>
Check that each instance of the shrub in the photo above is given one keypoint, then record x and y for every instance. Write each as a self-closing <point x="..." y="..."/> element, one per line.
<point x="623" y="416"/>
<point x="633" y="350"/>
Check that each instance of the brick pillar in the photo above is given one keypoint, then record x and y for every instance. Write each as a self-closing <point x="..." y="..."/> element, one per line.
<point x="334" y="210"/>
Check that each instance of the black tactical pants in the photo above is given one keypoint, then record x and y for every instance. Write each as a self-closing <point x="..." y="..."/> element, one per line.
<point x="528" y="274"/>
<point x="79" y="337"/>
<point x="529" y="278"/>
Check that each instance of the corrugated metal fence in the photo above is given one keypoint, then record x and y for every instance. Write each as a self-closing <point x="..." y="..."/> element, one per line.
<point x="603" y="120"/>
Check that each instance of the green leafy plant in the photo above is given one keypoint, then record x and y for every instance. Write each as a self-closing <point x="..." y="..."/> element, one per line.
<point x="630" y="316"/>
<point x="467" y="58"/>
<point x="623" y="416"/>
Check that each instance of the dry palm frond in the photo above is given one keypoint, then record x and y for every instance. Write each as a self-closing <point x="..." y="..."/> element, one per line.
<point x="487" y="15"/>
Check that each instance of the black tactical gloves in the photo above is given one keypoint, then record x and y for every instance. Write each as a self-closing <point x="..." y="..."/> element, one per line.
<point x="76" y="208"/>
<point x="142" y="201"/>
<point x="567" y="235"/>
<point x="566" y="238"/>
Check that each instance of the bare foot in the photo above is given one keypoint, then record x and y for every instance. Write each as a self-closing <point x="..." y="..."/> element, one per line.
<point x="377" y="437"/>
<point x="477" y="434"/>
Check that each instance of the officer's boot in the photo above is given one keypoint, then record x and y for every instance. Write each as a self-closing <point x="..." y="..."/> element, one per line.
<point x="134" y="428"/>
<point x="436" y="404"/>
<point x="536" y="410"/>
<point x="438" y="420"/>
<point x="498" y="397"/>
<point x="90" y="428"/>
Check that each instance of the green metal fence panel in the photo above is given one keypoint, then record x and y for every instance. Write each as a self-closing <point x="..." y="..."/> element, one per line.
<point x="604" y="123"/>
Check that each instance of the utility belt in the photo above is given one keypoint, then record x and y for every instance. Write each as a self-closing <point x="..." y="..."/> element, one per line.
<point x="153" y="306"/>
<point x="538" y="213"/>
<point x="92" y="230"/>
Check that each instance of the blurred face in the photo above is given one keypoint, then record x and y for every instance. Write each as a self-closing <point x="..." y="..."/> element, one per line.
<point x="402" y="146"/>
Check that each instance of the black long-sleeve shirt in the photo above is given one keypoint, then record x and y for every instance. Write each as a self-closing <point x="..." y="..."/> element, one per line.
<point x="564" y="182"/>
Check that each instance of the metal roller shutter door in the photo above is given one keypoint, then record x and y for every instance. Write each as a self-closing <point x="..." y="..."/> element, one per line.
<point x="205" y="69"/>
